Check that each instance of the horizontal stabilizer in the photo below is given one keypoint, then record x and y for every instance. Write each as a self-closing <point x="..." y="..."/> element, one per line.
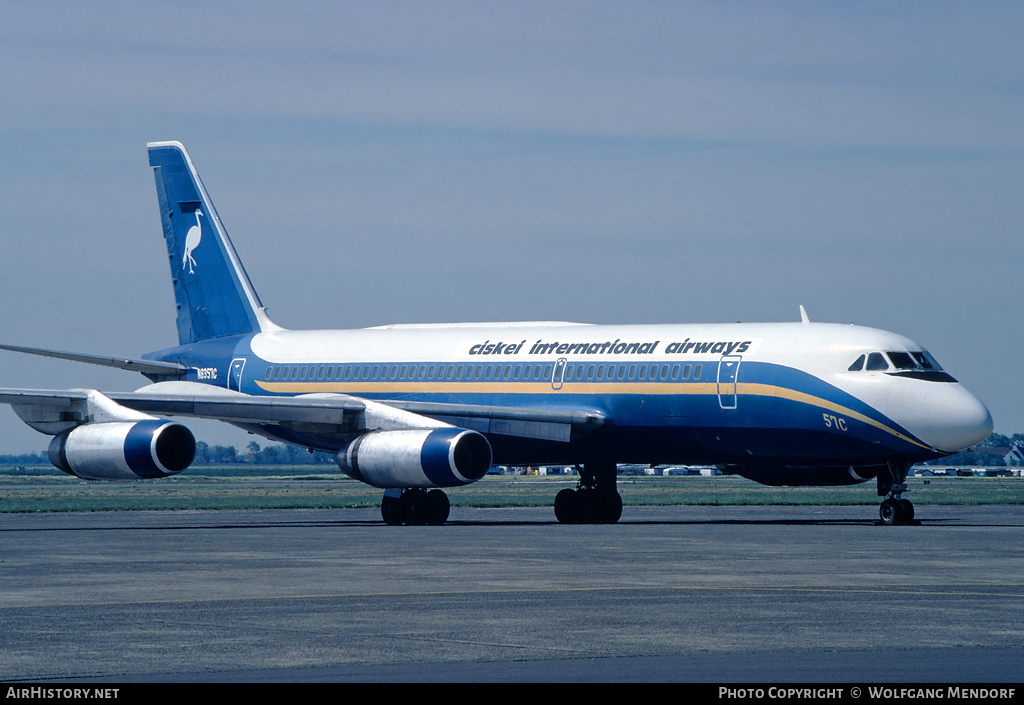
<point x="153" y="367"/>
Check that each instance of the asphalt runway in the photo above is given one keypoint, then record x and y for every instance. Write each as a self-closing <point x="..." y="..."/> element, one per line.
<point x="684" y="594"/>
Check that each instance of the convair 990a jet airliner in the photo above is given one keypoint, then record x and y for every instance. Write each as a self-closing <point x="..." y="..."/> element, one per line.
<point x="415" y="408"/>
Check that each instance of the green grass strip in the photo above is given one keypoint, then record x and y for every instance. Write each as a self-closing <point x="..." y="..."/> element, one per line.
<point x="22" y="490"/>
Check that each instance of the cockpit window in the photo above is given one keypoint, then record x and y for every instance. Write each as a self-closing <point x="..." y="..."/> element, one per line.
<point x="926" y="361"/>
<point x="903" y="361"/>
<point x="915" y="360"/>
<point x="917" y="364"/>
<point x="876" y="362"/>
<point x="925" y="367"/>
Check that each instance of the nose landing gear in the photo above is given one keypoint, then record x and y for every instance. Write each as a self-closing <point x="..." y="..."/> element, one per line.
<point x="896" y="511"/>
<point x="891" y="485"/>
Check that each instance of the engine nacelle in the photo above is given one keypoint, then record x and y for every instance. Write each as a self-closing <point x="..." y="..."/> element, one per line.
<point x="437" y="457"/>
<point x="803" y="476"/>
<point x="124" y="450"/>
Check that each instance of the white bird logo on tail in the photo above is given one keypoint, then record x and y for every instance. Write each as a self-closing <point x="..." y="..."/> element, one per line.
<point x="192" y="238"/>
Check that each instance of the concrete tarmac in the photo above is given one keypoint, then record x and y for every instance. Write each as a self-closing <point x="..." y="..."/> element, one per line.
<point x="684" y="594"/>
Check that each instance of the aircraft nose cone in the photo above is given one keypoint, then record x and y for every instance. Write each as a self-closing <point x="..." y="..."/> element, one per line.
<point x="963" y="422"/>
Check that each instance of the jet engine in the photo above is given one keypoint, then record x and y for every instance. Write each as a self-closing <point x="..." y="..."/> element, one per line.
<point x="438" y="457"/>
<point x="803" y="476"/>
<point x="124" y="450"/>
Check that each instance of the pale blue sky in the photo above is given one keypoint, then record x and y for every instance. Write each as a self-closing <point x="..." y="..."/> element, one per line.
<point x="606" y="162"/>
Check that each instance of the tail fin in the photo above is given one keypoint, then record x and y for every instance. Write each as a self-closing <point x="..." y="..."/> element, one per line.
<point x="214" y="295"/>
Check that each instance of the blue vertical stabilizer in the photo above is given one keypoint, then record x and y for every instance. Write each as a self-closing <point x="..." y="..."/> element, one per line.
<point x="213" y="293"/>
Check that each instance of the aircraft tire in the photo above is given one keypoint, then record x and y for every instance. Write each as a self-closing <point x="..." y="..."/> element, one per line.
<point x="587" y="507"/>
<point x="565" y="506"/>
<point x="889" y="512"/>
<point x="436" y="508"/>
<point x="392" y="510"/>
<point x="610" y="507"/>
<point x="416" y="507"/>
<point x="906" y="510"/>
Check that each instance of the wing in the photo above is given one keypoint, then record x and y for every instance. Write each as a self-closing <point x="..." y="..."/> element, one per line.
<point x="54" y="411"/>
<point x="354" y="414"/>
<point x="394" y="444"/>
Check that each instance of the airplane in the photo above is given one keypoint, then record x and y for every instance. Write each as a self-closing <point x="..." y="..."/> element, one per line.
<point x="414" y="409"/>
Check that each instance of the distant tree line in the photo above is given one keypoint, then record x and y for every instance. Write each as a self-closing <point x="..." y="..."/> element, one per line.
<point x="991" y="452"/>
<point x="206" y="454"/>
<point x="25" y="459"/>
<point x="277" y="454"/>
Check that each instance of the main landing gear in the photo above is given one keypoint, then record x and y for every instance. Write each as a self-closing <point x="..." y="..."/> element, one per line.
<point x="415" y="507"/>
<point x="891" y="485"/>
<point x="595" y="501"/>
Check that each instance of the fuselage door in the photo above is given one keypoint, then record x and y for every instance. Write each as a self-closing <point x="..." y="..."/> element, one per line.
<point x="235" y="374"/>
<point x="558" y="374"/>
<point x="728" y="373"/>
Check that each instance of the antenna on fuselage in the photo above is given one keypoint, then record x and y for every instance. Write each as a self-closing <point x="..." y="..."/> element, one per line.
<point x="803" y="315"/>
